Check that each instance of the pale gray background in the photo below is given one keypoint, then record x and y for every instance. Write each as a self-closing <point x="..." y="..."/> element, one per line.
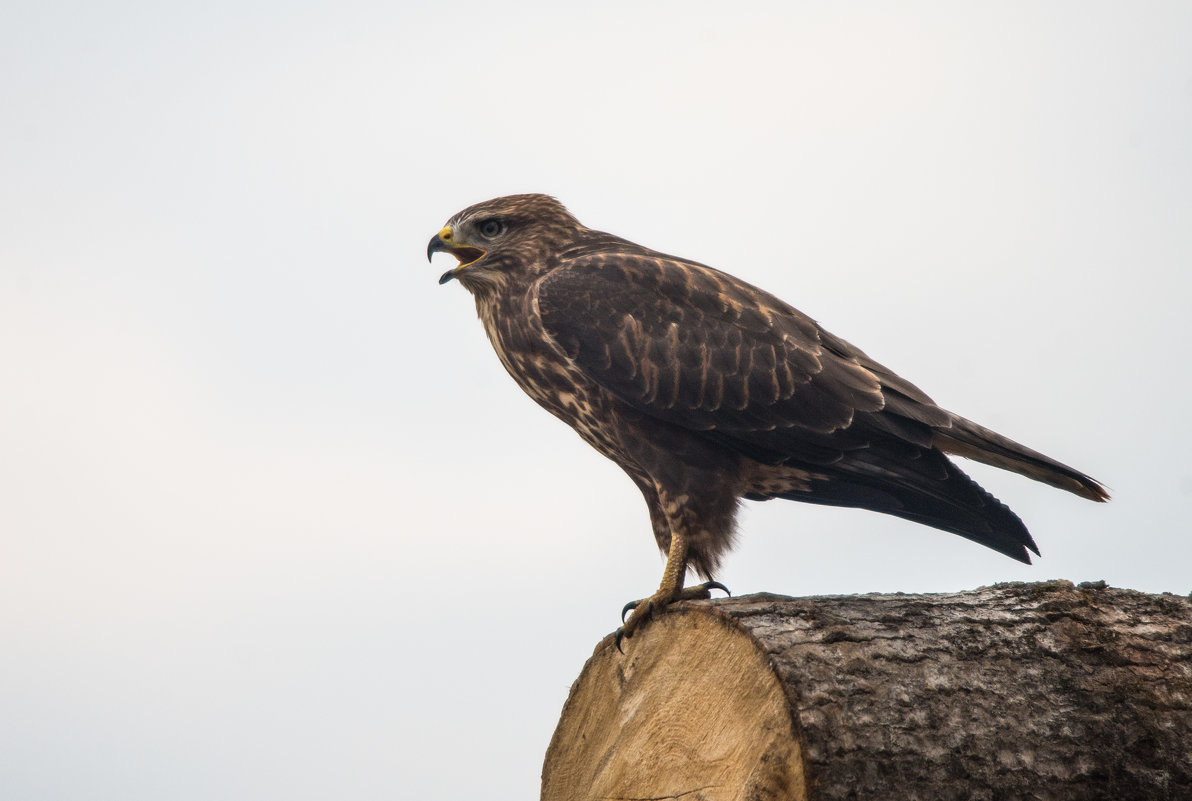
<point x="275" y="523"/>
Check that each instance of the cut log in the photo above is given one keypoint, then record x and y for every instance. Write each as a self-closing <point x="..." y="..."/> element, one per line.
<point x="1017" y="691"/>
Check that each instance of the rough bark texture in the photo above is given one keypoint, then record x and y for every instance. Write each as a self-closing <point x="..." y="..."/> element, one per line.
<point x="1018" y="691"/>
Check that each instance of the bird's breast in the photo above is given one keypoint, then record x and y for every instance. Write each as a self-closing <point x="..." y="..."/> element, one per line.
<point x="547" y="375"/>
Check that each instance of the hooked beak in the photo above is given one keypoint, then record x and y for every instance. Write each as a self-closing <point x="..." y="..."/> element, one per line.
<point x="445" y="242"/>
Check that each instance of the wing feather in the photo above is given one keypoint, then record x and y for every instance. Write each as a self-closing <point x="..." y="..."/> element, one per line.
<point x="701" y="349"/>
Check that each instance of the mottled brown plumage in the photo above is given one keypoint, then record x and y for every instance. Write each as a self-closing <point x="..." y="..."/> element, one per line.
<point x="706" y="390"/>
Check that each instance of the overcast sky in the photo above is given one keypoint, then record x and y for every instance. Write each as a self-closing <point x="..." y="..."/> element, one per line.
<point x="274" y="523"/>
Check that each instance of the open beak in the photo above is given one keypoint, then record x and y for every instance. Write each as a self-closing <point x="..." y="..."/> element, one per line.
<point x="444" y="242"/>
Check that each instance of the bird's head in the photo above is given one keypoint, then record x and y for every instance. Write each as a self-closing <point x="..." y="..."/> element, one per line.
<point x="502" y="240"/>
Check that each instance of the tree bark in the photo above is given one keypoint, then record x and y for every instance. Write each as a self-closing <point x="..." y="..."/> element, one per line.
<point x="1042" y="691"/>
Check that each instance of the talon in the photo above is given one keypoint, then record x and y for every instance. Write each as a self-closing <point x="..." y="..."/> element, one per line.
<point x="627" y="608"/>
<point x="620" y="635"/>
<point x="716" y="585"/>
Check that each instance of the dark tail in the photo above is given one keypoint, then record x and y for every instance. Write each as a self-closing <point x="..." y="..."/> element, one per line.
<point x="966" y="438"/>
<point x="924" y="487"/>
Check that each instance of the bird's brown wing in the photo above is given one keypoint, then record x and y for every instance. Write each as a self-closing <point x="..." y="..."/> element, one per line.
<point x="701" y="349"/>
<point x="697" y="348"/>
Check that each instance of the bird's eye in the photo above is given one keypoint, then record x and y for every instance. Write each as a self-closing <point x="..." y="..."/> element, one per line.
<point x="491" y="229"/>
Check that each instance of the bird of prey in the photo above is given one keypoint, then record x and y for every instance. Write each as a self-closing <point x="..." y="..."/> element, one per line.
<point x="706" y="390"/>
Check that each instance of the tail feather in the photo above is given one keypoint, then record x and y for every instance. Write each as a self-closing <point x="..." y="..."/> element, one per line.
<point x="933" y="491"/>
<point x="966" y="438"/>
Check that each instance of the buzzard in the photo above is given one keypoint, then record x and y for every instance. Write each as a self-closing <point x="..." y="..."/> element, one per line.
<point x="707" y="390"/>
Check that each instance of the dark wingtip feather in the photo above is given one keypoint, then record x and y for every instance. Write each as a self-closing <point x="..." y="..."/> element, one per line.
<point x="972" y="441"/>
<point x="930" y="490"/>
<point x="1095" y="490"/>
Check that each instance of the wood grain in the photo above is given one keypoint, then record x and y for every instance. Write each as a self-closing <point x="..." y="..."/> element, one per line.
<point x="1040" y="691"/>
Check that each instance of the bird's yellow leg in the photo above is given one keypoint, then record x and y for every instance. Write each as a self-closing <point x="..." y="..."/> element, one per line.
<point x="670" y="590"/>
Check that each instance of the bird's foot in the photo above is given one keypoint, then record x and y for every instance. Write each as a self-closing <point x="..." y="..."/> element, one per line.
<point x="649" y="608"/>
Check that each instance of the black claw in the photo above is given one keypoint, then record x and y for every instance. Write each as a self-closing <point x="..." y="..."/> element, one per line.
<point x="716" y="585"/>
<point x="627" y="608"/>
<point x="619" y="637"/>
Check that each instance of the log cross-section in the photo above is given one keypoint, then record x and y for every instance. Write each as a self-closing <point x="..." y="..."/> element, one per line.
<point x="1042" y="691"/>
